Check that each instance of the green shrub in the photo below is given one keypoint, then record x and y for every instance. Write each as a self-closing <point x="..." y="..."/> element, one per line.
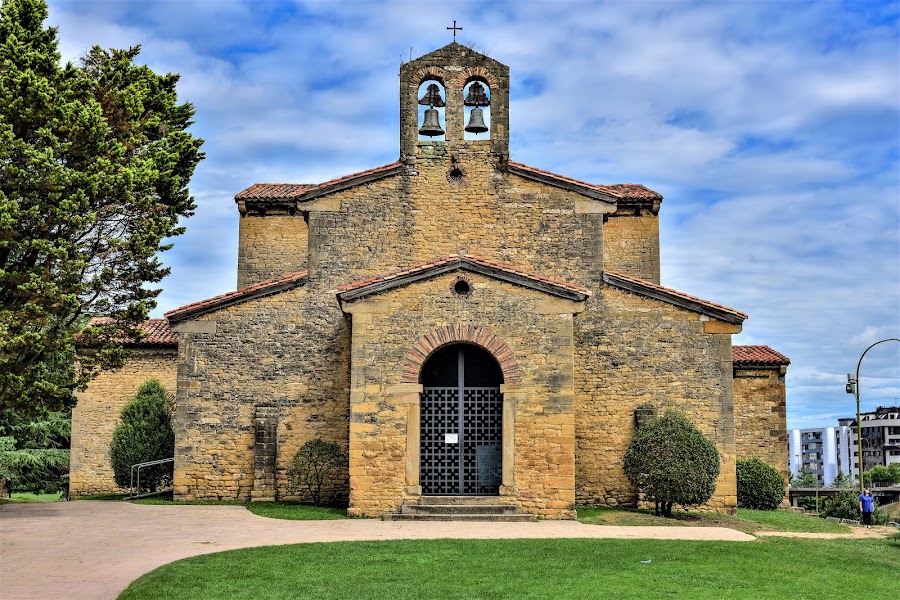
<point x="318" y="467"/>
<point x="809" y="503"/>
<point x="672" y="462"/>
<point x="845" y="505"/>
<point x="759" y="486"/>
<point x="144" y="434"/>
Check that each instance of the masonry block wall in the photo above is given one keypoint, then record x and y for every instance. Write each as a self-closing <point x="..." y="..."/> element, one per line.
<point x="626" y="359"/>
<point x="236" y="360"/>
<point x="270" y="246"/>
<point x="760" y="415"/>
<point x="631" y="242"/>
<point x="96" y="415"/>
<point x="538" y="334"/>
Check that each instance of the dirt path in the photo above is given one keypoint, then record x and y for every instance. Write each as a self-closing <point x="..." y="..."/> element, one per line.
<point x="90" y="549"/>
<point x="855" y="533"/>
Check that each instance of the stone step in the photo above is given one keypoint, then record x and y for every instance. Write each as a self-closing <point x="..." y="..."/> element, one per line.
<point x="514" y="518"/>
<point x="467" y="500"/>
<point x="459" y="509"/>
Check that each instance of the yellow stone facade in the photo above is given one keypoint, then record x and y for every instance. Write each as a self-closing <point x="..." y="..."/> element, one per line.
<point x="346" y="289"/>
<point x="759" y="415"/>
<point x="97" y="413"/>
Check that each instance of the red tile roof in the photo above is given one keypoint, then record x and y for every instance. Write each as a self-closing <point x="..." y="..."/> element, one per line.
<point x="634" y="191"/>
<point x="156" y="332"/>
<point x="628" y="191"/>
<point x="257" y="290"/>
<point x="638" y="285"/>
<point x="462" y="261"/>
<point x="757" y="356"/>
<point x="274" y="190"/>
<point x="285" y="191"/>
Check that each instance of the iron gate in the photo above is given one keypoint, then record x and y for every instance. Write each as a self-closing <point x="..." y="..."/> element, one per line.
<point x="461" y="440"/>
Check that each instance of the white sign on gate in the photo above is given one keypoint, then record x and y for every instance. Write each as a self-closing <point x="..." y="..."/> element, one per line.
<point x="451" y="438"/>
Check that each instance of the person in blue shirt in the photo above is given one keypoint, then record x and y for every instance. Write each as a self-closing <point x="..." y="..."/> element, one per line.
<point x="866" y="507"/>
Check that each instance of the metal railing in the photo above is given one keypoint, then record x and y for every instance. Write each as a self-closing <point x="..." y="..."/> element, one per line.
<point x="136" y="469"/>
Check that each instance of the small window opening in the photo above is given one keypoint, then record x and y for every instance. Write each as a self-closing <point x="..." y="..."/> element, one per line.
<point x="462" y="288"/>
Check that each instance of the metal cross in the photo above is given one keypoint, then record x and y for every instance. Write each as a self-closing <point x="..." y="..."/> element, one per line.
<point x="455" y="29"/>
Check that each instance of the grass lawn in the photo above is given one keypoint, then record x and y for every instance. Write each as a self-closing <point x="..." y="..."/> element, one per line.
<point x="56" y="497"/>
<point x="539" y="569"/>
<point x="748" y="521"/>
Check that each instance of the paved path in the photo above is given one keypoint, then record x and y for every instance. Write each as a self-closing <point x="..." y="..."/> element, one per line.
<point x="93" y="549"/>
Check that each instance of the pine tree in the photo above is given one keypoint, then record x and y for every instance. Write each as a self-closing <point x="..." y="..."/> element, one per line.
<point x="144" y="434"/>
<point x="95" y="162"/>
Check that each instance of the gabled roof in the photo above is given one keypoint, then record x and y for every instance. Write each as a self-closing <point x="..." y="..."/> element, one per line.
<point x="302" y="192"/>
<point x="155" y="333"/>
<point x="627" y="192"/>
<point x="645" y="288"/>
<point x="510" y="274"/>
<point x="257" y="290"/>
<point x="757" y="356"/>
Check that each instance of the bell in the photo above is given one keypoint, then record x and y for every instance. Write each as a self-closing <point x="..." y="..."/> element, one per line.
<point x="431" y="126"/>
<point x="476" y="121"/>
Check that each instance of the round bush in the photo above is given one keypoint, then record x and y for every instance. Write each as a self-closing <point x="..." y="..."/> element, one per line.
<point x="318" y="470"/>
<point x="759" y="486"/>
<point x="672" y="462"/>
<point x="144" y="434"/>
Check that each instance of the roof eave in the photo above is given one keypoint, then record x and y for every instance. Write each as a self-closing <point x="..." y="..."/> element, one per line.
<point x="186" y="314"/>
<point x="572" y="186"/>
<point x="651" y="291"/>
<point x="464" y="265"/>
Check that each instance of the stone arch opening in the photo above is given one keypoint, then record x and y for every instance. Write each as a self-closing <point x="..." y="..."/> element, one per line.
<point x="477" y="108"/>
<point x="474" y="334"/>
<point x="461" y="422"/>
<point x="432" y="120"/>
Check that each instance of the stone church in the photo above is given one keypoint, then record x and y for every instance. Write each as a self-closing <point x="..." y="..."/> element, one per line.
<point x="461" y="323"/>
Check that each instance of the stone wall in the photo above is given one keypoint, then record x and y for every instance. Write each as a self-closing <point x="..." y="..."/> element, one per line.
<point x="262" y="354"/>
<point x="539" y="428"/>
<point x="270" y="246"/>
<point x="631" y="352"/>
<point x="760" y="415"/>
<point x="631" y="243"/>
<point x="97" y="414"/>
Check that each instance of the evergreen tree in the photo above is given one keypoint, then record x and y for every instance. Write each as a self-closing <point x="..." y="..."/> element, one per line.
<point x="34" y="453"/>
<point x="672" y="462"/>
<point x="841" y="481"/>
<point x="144" y="434"/>
<point x="94" y="167"/>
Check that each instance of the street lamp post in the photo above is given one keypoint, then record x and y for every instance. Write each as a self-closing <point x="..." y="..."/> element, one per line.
<point x="853" y="388"/>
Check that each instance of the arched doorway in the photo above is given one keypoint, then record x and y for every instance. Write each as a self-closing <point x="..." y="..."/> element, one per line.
<point x="461" y="433"/>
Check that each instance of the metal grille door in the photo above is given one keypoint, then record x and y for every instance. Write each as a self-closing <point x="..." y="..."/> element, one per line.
<point x="461" y="440"/>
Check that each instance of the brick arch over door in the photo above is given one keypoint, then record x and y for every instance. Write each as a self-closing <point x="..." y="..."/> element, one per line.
<point x="449" y="334"/>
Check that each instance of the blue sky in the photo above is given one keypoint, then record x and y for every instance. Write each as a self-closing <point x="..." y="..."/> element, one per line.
<point x="771" y="128"/>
